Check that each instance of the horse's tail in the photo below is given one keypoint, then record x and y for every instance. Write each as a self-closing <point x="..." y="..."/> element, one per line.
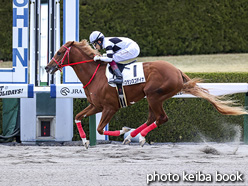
<point x="221" y="103"/>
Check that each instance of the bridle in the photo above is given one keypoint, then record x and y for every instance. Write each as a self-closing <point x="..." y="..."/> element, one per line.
<point x="61" y="64"/>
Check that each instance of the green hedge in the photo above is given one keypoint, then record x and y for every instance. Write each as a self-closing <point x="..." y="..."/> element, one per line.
<point x="170" y="27"/>
<point x="189" y="118"/>
<point x="159" y="27"/>
<point x="6" y="30"/>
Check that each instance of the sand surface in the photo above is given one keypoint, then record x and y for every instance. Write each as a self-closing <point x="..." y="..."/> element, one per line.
<point x="116" y="164"/>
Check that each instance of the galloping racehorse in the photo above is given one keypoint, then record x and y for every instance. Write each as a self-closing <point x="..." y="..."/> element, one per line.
<point x="163" y="80"/>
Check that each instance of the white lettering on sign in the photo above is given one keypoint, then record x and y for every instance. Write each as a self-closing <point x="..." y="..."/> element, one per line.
<point x="132" y="74"/>
<point x="19" y="73"/>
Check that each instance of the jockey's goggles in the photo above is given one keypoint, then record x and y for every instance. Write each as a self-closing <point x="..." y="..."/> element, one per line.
<point x="94" y="45"/>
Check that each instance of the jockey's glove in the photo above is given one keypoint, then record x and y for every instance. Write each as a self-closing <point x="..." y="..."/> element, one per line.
<point x="101" y="58"/>
<point x="97" y="58"/>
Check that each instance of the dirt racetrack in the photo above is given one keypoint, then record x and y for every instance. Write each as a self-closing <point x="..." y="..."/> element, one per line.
<point x="116" y="164"/>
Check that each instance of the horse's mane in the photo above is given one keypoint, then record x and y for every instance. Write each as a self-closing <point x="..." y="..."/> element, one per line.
<point x="86" y="48"/>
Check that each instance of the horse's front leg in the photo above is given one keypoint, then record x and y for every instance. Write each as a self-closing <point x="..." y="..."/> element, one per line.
<point x="107" y="115"/>
<point x="88" y="111"/>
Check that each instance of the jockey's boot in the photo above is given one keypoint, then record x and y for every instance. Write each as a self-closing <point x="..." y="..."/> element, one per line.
<point x="117" y="72"/>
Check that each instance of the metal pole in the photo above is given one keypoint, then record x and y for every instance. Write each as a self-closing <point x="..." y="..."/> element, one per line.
<point x="50" y="39"/>
<point x="51" y="33"/>
<point x="44" y="41"/>
<point x="32" y="42"/>
<point x="92" y="121"/>
<point x="57" y="35"/>
<point x="37" y="40"/>
<point x="246" y="120"/>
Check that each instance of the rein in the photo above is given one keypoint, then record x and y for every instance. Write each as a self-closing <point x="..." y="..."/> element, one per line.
<point x="61" y="65"/>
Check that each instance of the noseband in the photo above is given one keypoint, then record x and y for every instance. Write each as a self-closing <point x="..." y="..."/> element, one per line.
<point x="60" y="63"/>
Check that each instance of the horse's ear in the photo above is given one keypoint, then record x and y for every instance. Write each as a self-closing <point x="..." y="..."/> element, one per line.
<point x="69" y="43"/>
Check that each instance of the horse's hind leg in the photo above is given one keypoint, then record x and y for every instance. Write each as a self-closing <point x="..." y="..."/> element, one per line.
<point x="151" y="119"/>
<point x="161" y="117"/>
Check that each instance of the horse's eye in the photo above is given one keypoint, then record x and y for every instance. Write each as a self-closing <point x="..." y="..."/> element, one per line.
<point x="58" y="53"/>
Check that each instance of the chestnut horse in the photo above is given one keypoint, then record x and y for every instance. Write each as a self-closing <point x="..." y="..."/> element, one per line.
<point x="163" y="80"/>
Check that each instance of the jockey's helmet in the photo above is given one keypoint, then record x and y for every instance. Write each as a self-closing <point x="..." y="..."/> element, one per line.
<point x="95" y="37"/>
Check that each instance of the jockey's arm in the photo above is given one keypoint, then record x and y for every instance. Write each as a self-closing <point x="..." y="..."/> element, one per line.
<point x="105" y="59"/>
<point x="109" y="57"/>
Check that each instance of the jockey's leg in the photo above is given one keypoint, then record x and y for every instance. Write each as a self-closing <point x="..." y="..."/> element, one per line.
<point x="117" y="72"/>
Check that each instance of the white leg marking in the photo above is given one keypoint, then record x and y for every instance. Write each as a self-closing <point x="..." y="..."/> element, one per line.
<point x="86" y="143"/>
<point x="142" y="140"/>
<point x="124" y="130"/>
<point x="127" y="140"/>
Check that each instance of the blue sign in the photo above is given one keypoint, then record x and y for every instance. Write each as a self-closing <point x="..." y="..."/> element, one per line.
<point x="19" y="73"/>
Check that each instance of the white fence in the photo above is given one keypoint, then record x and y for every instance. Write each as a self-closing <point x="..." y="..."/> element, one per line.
<point x="77" y="91"/>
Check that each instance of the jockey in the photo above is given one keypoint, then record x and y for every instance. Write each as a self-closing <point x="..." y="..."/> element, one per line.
<point x="117" y="49"/>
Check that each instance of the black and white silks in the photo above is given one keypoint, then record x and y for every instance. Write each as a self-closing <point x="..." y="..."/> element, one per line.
<point x="119" y="49"/>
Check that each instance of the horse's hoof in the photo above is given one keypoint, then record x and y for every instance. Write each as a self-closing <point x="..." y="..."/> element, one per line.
<point x="125" y="129"/>
<point x="126" y="141"/>
<point x="142" y="141"/>
<point x="87" y="144"/>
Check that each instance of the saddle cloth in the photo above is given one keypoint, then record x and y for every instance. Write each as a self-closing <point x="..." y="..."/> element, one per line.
<point x="132" y="74"/>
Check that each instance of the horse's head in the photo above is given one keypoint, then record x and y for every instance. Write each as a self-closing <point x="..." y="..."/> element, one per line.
<point x="60" y="59"/>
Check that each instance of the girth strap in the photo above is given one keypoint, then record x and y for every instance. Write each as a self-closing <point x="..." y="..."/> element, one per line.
<point x="122" y="96"/>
